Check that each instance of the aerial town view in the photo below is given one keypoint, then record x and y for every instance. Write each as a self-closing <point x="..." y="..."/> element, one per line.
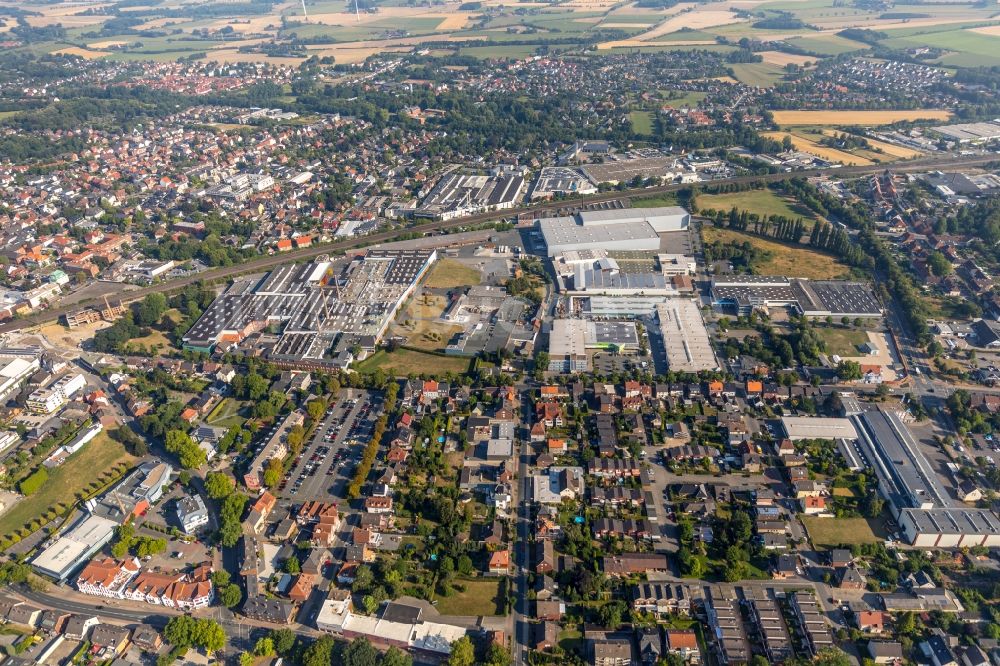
<point x="473" y="333"/>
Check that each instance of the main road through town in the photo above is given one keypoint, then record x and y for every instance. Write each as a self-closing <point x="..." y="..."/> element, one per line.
<point x="270" y="261"/>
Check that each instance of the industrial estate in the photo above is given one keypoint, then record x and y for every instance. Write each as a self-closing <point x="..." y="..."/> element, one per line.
<point x="483" y="334"/>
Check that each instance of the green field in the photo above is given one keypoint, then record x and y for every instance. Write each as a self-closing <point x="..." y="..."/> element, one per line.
<point x="785" y="259"/>
<point x="655" y="202"/>
<point x="402" y="362"/>
<point x="65" y="481"/>
<point x="762" y="202"/>
<point x="479" y="598"/>
<point x="830" y="45"/>
<point x="971" y="49"/>
<point x="688" y="99"/>
<point x="760" y="74"/>
<point x="450" y="273"/>
<point x="831" y="532"/>
<point x="512" y="51"/>
<point x="843" y="341"/>
<point x="642" y="122"/>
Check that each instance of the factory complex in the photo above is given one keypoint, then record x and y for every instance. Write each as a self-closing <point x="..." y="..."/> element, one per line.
<point x="323" y="310"/>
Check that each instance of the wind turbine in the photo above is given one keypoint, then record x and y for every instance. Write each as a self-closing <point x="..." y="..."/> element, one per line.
<point x="304" y="12"/>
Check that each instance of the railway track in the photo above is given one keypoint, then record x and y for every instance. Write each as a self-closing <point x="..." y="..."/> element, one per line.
<point x="267" y="262"/>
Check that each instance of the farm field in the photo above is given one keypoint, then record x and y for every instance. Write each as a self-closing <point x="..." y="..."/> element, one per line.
<point x="830" y="45"/>
<point x="786" y="118"/>
<point x="479" y="598"/>
<point x="789" y="260"/>
<point x="835" y="531"/>
<point x="65" y="481"/>
<point x="762" y="202"/>
<point x="402" y="362"/>
<point x="813" y="148"/>
<point x="781" y="59"/>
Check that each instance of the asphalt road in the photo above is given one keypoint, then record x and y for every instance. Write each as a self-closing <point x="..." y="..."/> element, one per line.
<point x="267" y="262"/>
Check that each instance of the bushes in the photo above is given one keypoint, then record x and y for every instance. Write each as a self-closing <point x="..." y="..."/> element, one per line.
<point x="31" y="484"/>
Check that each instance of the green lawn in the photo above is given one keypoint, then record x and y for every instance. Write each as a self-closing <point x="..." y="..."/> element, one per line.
<point x="642" y="122"/>
<point x="843" y="341"/>
<point x="450" y="273"/>
<point x="64" y="482"/>
<point x="762" y="202"/>
<point x="226" y="414"/>
<point x="402" y="362"/>
<point x="832" y="532"/>
<point x="479" y="598"/>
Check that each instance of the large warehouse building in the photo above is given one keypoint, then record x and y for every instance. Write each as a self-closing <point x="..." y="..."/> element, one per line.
<point x="812" y="298"/>
<point x="613" y="230"/>
<point x="926" y="515"/>
<point x="685" y="338"/>
<point x="950" y="527"/>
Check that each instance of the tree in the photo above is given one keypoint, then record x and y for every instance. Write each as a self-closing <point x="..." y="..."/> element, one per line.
<point x="284" y="640"/>
<point x="246" y="659"/>
<point x="465" y="565"/>
<point x="497" y="655"/>
<point x="230" y="595"/>
<point x="218" y="485"/>
<point x="319" y="652"/>
<point x="611" y="614"/>
<point x="462" y="653"/>
<point x="264" y="647"/>
<point x="849" y="370"/>
<point x="292" y="565"/>
<point x="831" y="657"/>
<point x="360" y="653"/>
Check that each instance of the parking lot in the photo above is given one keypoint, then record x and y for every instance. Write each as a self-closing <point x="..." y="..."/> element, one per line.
<point x="324" y="467"/>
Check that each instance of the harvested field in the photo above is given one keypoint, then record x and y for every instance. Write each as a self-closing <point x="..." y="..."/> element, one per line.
<point x="813" y="148"/>
<point x="857" y="117"/>
<point x="991" y="30"/>
<point x="87" y="54"/>
<point x="693" y="19"/>
<point x="70" y="21"/>
<point x="454" y="22"/>
<point x="781" y="59"/>
<point x="106" y="45"/>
